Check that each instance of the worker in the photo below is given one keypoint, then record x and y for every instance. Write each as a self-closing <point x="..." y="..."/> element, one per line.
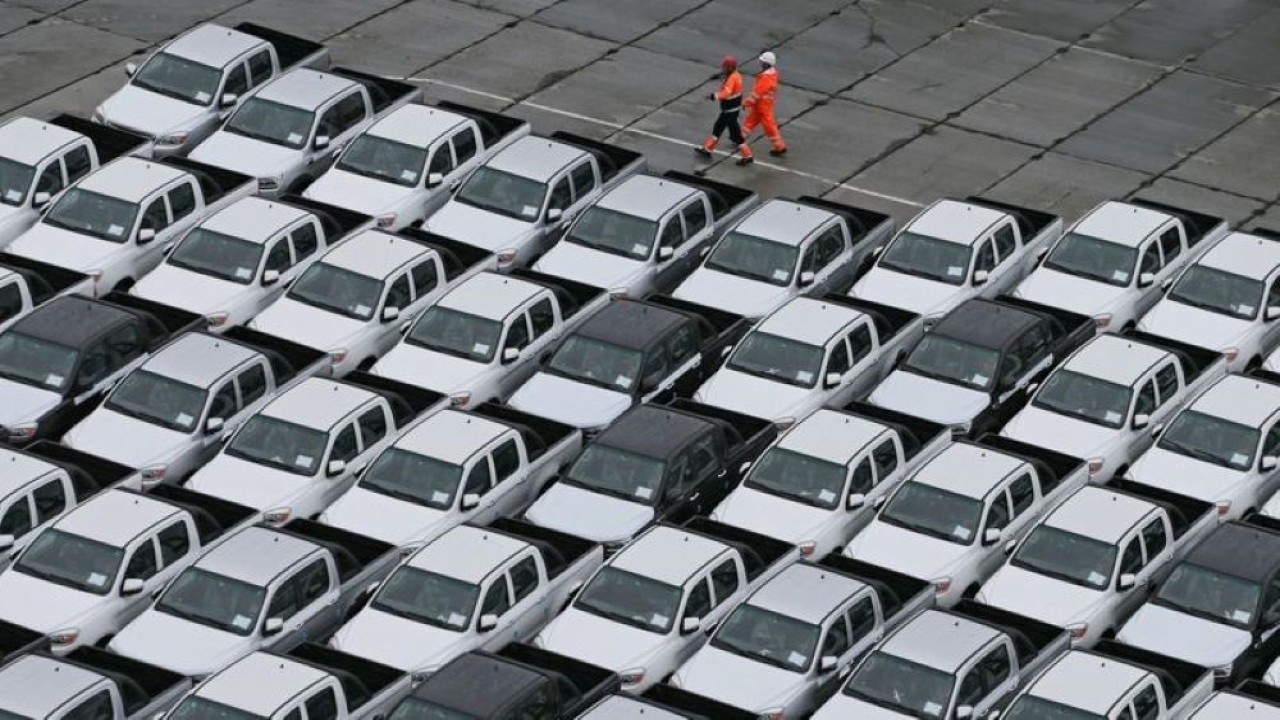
<point x="760" y="104"/>
<point x="730" y="98"/>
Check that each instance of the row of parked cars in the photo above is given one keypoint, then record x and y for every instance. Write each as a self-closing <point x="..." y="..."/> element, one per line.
<point x="320" y="403"/>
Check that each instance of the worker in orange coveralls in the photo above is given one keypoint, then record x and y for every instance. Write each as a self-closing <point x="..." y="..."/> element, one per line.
<point x="760" y="104"/>
<point x="730" y="98"/>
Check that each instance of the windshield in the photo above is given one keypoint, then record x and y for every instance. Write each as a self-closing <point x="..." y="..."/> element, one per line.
<point x="280" y="444"/>
<point x="754" y="257"/>
<point x="1219" y="291"/>
<point x="385" y="159"/>
<point x="1211" y="439"/>
<point x="892" y="682"/>
<point x="214" y="600"/>
<point x="1030" y="707"/>
<point x="71" y="560"/>
<point x="934" y="512"/>
<point x="1093" y="258"/>
<point x="194" y="707"/>
<point x="619" y="473"/>
<point x="33" y="361"/>
<point x="1084" y="397"/>
<point x="179" y="78"/>
<point x="456" y="333"/>
<point x="337" y="290"/>
<point x="777" y="358"/>
<point x="6" y="715"/>
<point x="631" y="599"/>
<point x="160" y="400"/>
<point x="954" y="361"/>
<point x="412" y="708"/>
<point x="90" y="213"/>
<point x="614" y="232"/>
<point x="927" y="257"/>
<point x="222" y="256"/>
<point x="597" y="362"/>
<point x="428" y="598"/>
<point x="1212" y="595"/>
<point x="272" y="122"/>
<point x="768" y="637"/>
<point x="798" y="477"/>
<point x="503" y="193"/>
<point x="1068" y="557"/>
<point x="414" y="478"/>
<point x="15" y="181"/>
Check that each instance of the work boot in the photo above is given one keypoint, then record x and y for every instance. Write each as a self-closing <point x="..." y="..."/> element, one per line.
<point x="778" y="151"/>
<point x="702" y="151"/>
<point x="748" y="157"/>
<point x="746" y="160"/>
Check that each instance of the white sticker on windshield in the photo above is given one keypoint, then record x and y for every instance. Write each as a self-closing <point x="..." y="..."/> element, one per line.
<point x="804" y="376"/>
<point x="529" y="211"/>
<point x="439" y="497"/>
<point x="241" y="622"/>
<point x="1245" y="309"/>
<point x="955" y="271"/>
<point x="97" y="579"/>
<point x="826" y="495"/>
<point x="1239" y="459"/>
<point x="362" y="309"/>
<point x="639" y="248"/>
<point x="409" y="175"/>
<point x="13" y="195"/>
<point x="932" y="708"/>
<point x="622" y="381"/>
<point x="244" y="273"/>
<point x="781" y="274"/>
<point x="961" y="532"/>
<point x="184" y="419"/>
<point x="1241" y="616"/>
<point x="481" y="348"/>
<point x="1113" y="416"/>
<point x="295" y="138"/>
<point x="797" y="659"/>
<point x="115" y="230"/>
<point x="644" y="493"/>
<point x="1097" y="578"/>
<point x="1120" y="275"/>
<point x="658" y="620"/>
<point x="54" y="380"/>
<point x="202" y="96"/>
<point x="980" y="379"/>
<point x="303" y="461"/>
<point x="457" y="619"/>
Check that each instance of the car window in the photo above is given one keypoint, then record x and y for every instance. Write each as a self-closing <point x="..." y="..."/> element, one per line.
<point x="1145" y="704"/>
<point x="1170" y="244"/>
<point x="1146" y="402"/>
<point x="862" y="619"/>
<point x="10" y="301"/>
<point x="78" y="163"/>
<point x="278" y="257"/>
<point x="561" y="196"/>
<point x="1273" y="295"/>
<point x="1125" y="714"/>
<point x="259" y="67"/>
<point x="994" y="669"/>
<point x="672" y="235"/>
<point x="542" y="317"/>
<point x="51" y="499"/>
<point x="497" y="601"/>
<point x="1167" y="382"/>
<point x="584" y="180"/>
<point x="518" y="333"/>
<point x="182" y="200"/>
<point x="294" y="714"/>
<point x="1150" y="259"/>
<point x="524" y="577"/>
<point x="971" y="690"/>
<point x="424" y="278"/>
<point x="143" y="563"/>
<point x="699" y="602"/>
<point x="885" y="457"/>
<point x="863" y="478"/>
<point x="537" y="706"/>
<point x="345" y="446"/>
<point x="998" y="513"/>
<point x="829" y="245"/>
<point x="17" y="519"/>
<point x="399" y="296"/>
<point x="323" y="705"/>
<point x="294" y="594"/>
<point x="1153" y="536"/>
<point x="224" y="402"/>
<point x="350" y="112"/>
<point x="695" y="217"/>
<point x="156" y="216"/>
<point x="305" y="242"/>
<point x="702" y="455"/>
<point x="253" y="384"/>
<point x="373" y="426"/>
<point x="1006" y="242"/>
<point x="441" y="160"/>
<point x="237" y="81"/>
<point x="724" y="580"/>
<point x="986" y="258"/>
<point x="1272" y="444"/>
<point x="1131" y="560"/>
<point x="480" y="479"/>
<point x="683" y="344"/>
<point x="174" y="543"/>
<point x="1023" y="494"/>
<point x="860" y="342"/>
<point x="837" y="641"/>
<point x="93" y="368"/>
<point x="124" y="344"/>
<point x="51" y="179"/>
<point x="97" y="707"/>
<point x="464" y="145"/>
<point x="838" y="362"/>
<point x="506" y="460"/>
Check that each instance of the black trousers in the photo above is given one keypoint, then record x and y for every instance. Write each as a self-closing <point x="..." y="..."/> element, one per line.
<point x="728" y="121"/>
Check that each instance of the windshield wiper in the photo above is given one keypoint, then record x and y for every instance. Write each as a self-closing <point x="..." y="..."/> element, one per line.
<point x="1195" y="453"/>
<point x="437" y="348"/>
<point x="615" y="616"/>
<point x="911" y="271"/>
<point x="365" y="172"/>
<point x="886" y="703"/>
<point x="739" y="272"/>
<point x="1077" y="414"/>
<point x="1056" y="574"/>
<point x="583" y="379"/>
<point x="167" y="92"/>
<point x="917" y="370"/>
<point x="1079" y="272"/>
<point x="397" y="494"/>
<point x="25" y="380"/>
<point x="603" y="490"/>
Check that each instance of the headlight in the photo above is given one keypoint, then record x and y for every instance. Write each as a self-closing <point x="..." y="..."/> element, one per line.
<point x="506" y="256"/>
<point x="65" y="636"/>
<point x="217" y="319"/>
<point x="961" y="429"/>
<point x="773" y="714"/>
<point x="22" y="432"/>
<point x="1095" y="465"/>
<point x="618" y="293"/>
<point x="177" y="138"/>
<point x="941" y="584"/>
<point x="931" y="320"/>
<point x="1224" y="507"/>
<point x="268" y="183"/>
<point x="1232" y="353"/>
<point x="807" y="547"/>
<point x="611" y="547"/>
<point x="785" y="423"/>
<point x="460" y="399"/>
<point x="277" y="516"/>
<point x="337" y="355"/>
<point x="387" y="220"/>
<point x="1103" y="321"/>
<point x="631" y="677"/>
<point x="420" y="676"/>
<point x="153" y="474"/>
<point x="1078" y="630"/>
<point x="1222" y="673"/>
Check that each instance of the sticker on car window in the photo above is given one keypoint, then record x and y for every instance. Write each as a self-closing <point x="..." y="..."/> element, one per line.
<point x="796" y="659"/>
<point x="932" y="708"/>
<point x="1239" y="459"/>
<point x="659" y="620"/>
<point x="980" y="379"/>
<point x="529" y="211"/>
<point x="439" y="497"/>
<point x="1245" y="309"/>
<point x="622" y="381"/>
<point x="202" y="96"/>
<point x="480" y="348"/>
<point x="241" y="622"/>
<point x="826" y="496"/>
<point x="1120" y="275"/>
<point x="1097" y="578"/>
<point x="362" y="309"/>
<point x="303" y="461"/>
<point x="804" y="376"/>
<point x="644" y="493"/>
<point x="97" y="579"/>
<point x="639" y="249"/>
<point x="54" y="379"/>
<point x="409" y="175"/>
<point x="955" y="271"/>
<point x="295" y="138"/>
<point x="184" y="419"/>
<point x="244" y="273"/>
<point x="13" y="195"/>
<point x="1242" y="616"/>
<point x="457" y="619"/>
<point x="961" y="532"/>
<point x="1113" y="416"/>
<point x="115" y="230"/>
<point x="781" y="274"/>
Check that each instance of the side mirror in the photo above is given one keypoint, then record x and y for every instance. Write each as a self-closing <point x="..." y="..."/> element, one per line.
<point x="272" y="626"/>
<point x="992" y="536"/>
<point x="743" y="468"/>
<point x="665" y="252"/>
<point x="980" y="278"/>
<point x="827" y="663"/>
<point x="1141" y="420"/>
<point x="488" y="621"/>
<point x="1032" y="387"/>
<point x="6" y="542"/>
<point x="1127" y="581"/>
<point x="1146" y="279"/>
<point x="214" y="425"/>
<point x="228" y="99"/>
<point x="879" y="501"/>
<point x="336" y="467"/>
<point x="1268" y="462"/>
<point x="510" y="355"/>
<point x="1273" y="312"/>
<point x="40" y="199"/>
<point x="1010" y="546"/>
<point x="470" y="501"/>
<point x="146" y="235"/>
<point x="831" y="380"/>
<point x="690" y="625"/>
<point x="964" y="712"/>
<point x="270" y="277"/>
<point x="130" y="69"/>
<point x="875" y="251"/>
<point x="807" y="278"/>
<point x="321" y="142"/>
<point x="131" y="586"/>
<point x="554" y="214"/>
<point x="855" y="501"/>
<point x="435" y="180"/>
<point x="727" y="349"/>
<point x="390" y="313"/>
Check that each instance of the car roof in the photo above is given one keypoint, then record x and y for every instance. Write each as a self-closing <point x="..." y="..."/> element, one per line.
<point x="1084" y="680"/>
<point x="955" y="221"/>
<point x="1247" y="400"/>
<point x="374" y="253"/>
<point x="632" y="324"/>
<point x="260" y="683"/>
<point x="116" y="516"/>
<point x="626" y="707"/>
<point x="29" y="141"/>
<point x="71" y="320"/>
<point x="646" y="196"/>
<point x="1252" y="256"/>
<point x="213" y="45"/>
<point x="536" y="158"/>
<point x="939" y="640"/>
<point x="37" y="685"/>
<point x="1116" y="359"/>
<point x="1232" y="705"/>
<point x="466" y="553"/>
<point x="17" y="469"/>
<point x="318" y="402"/>
<point x="451" y="436"/>
<point x="832" y="435"/>
<point x="130" y="178"/>
<point x="809" y="320"/>
<point x="1100" y="513"/>
<point x="253" y="219"/>
<point x="986" y="323"/>
<point x="256" y="555"/>
<point x="1240" y="549"/>
<point x="808" y="593"/>
<point x="654" y="431"/>
<point x="304" y="88"/>
<point x="668" y="554"/>
<point x="198" y="359"/>
<point x="415" y="124"/>
<point x="1121" y="223"/>
<point x="490" y="295"/>
<point x="783" y="221"/>
<point x="967" y="469"/>
<point x="478" y="683"/>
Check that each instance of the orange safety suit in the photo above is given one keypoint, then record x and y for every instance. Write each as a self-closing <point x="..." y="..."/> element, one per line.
<point x="760" y="108"/>
<point x="730" y="98"/>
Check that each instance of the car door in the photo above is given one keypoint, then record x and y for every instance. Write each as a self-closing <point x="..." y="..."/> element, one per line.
<point x="145" y="254"/>
<point x="224" y="404"/>
<point x="1266" y="482"/>
<point x="1169" y="397"/>
<point x="1146" y="402"/>
<point x="1266" y="636"/>
<point x="511" y="489"/>
<point x="466" y="158"/>
<point x="683" y="347"/>
<point x="543" y="335"/>
<point x="1133" y="561"/>
<point x="585" y="190"/>
<point x="862" y="481"/>
<point x="496" y="602"/>
<point x="668" y="272"/>
<point x="862" y="375"/>
<point x="143" y="564"/>
<point x="306" y="601"/>
<point x="375" y="434"/>
<point x="326" y="489"/>
<point x="17" y="517"/>
<point x="11" y="301"/>
<point x="1150" y="261"/>
<point x="827" y="256"/>
<point x="341" y="122"/>
<point x="531" y="610"/>
<point x="1010" y="268"/>
<point x="695" y="485"/>
<point x="995" y="670"/>
<point x="1024" y="505"/>
<point x="478" y="484"/>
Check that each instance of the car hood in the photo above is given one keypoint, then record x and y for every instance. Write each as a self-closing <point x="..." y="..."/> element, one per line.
<point x="600" y="641"/>
<point x="737" y="680"/>
<point x="184" y="647"/>
<point x="1059" y="432"/>
<point x="1186" y="476"/>
<point x="1070" y="292"/>
<point x="357" y="192"/>
<point x="245" y="155"/>
<point x="126" y="440"/>
<point x="384" y="517"/>
<point x="1040" y="596"/>
<point x="399" y="642"/>
<point x="568" y="401"/>
<point x="250" y="484"/>
<point x="593" y="267"/>
<point x="931" y="399"/>
<point x="1194" y="326"/>
<point x="306" y="324"/>
<point x="192" y="291"/>
<point x="65" y="248"/>
<point x="900" y="549"/>
<point x="1183" y="636"/>
<point x="753" y="395"/>
<point x="20" y="402"/>
<point x="428" y="369"/>
<point x="41" y="605"/>
<point x="919" y="295"/>
<point x="150" y="112"/>
<point x="744" y="296"/>
<point x="843" y="707"/>
<point x="474" y="226"/>
<point x="771" y="515"/>
<point x="587" y="514"/>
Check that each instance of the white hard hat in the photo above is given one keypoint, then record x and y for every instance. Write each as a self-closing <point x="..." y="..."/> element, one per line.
<point x="768" y="58"/>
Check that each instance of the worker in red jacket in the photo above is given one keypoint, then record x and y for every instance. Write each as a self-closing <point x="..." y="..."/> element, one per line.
<point x="730" y="98"/>
<point x="760" y="104"/>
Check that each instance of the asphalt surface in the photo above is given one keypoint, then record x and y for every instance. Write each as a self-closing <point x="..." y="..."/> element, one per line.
<point x="888" y="104"/>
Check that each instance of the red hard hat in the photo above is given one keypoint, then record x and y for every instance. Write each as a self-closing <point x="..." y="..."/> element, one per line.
<point x="729" y="61"/>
